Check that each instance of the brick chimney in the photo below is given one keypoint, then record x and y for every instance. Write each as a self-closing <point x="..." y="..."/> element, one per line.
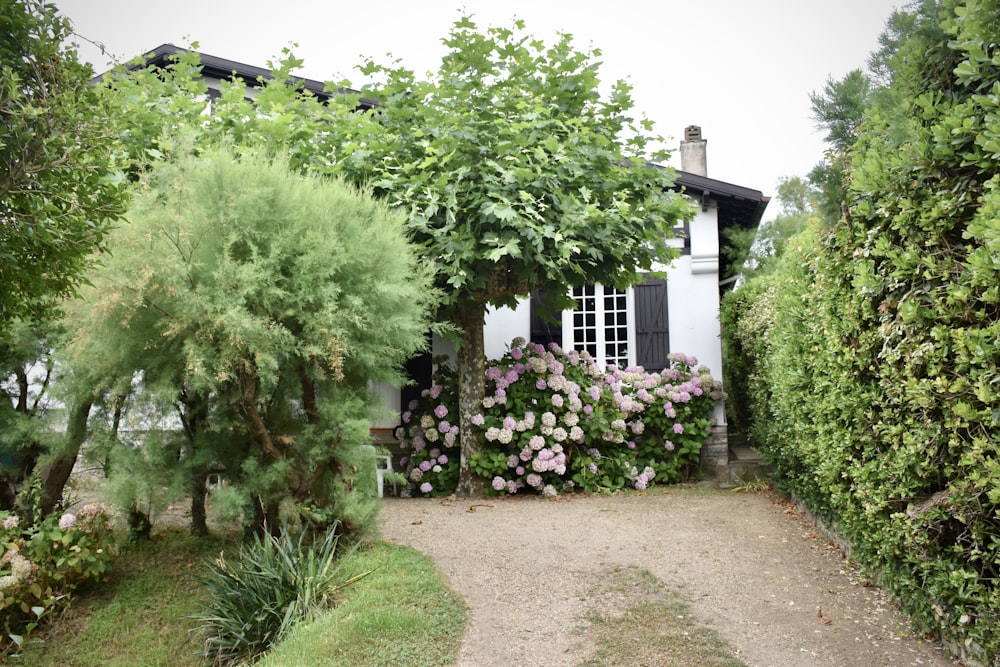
<point x="693" y="157"/>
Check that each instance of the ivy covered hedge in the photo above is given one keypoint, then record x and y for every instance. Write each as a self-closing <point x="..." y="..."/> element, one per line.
<point x="873" y="354"/>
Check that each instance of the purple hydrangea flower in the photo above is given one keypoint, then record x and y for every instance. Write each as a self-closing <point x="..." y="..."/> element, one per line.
<point x="441" y="411"/>
<point x="426" y="487"/>
<point x="499" y="483"/>
<point x="678" y="428"/>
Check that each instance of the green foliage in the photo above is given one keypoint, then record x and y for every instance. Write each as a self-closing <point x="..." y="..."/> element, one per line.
<point x="840" y="108"/>
<point x="755" y="251"/>
<point x="878" y="376"/>
<point x="41" y="565"/>
<point x="513" y="172"/>
<point x="59" y="189"/>
<point x="275" y="583"/>
<point x="258" y="305"/>
<point x="747" y="315"/>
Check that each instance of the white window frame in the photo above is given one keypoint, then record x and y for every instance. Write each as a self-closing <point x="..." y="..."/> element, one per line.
<point x="570" y="331"/>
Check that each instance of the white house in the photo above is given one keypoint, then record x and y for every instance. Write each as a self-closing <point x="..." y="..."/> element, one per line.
<point x="637" y="326"/>
<point x="642" y="325"/>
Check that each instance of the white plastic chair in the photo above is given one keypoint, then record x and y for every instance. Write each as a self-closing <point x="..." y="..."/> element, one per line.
<point x="383" y="464"/>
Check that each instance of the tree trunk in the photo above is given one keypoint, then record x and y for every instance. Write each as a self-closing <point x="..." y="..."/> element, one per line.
<point x="194" y="414"/>
<point x="8" y="494"/>
<point x="471" y="390"/>
<point x="57" y="472"/>
<point x="199" y="517"/>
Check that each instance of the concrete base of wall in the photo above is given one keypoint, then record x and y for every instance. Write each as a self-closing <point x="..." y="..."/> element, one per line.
<point x="715" y="454"/>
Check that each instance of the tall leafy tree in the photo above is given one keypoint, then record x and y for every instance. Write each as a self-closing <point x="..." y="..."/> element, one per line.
<point x="259" y="304"/>
<point x="516" y="175"/>
<point x="58" y="186"/>
<point x="755" y="251"/>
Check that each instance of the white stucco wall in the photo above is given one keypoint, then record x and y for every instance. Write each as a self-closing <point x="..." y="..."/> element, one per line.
<point x="693" y="295"/>
<point x="504" y="325"/>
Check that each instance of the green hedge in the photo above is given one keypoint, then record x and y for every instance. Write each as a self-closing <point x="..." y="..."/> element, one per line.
<point x="875" y="388"/>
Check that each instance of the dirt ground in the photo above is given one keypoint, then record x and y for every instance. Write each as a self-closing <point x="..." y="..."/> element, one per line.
<point x="750" y="567"/>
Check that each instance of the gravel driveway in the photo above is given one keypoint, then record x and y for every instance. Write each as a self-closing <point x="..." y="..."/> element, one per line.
<point x="750" y="567"/>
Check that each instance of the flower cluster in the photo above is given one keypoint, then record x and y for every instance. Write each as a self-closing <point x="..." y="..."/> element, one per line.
<point x="430" y="431"/>
<point x="42" y="564"/>
<point x="554" y="421"/>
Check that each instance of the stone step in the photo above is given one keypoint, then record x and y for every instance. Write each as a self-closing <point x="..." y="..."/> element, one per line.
<point x="746" y="465"/>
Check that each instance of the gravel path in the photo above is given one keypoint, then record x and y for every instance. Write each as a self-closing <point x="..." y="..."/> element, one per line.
<point x="750" y="567"/>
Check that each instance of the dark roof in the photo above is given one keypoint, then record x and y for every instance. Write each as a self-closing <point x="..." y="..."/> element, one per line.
<point x="224" y="69"/>
<point x="738" y="207"/>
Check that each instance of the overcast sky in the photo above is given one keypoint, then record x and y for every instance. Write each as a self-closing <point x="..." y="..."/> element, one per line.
<point x="741" y="69"/>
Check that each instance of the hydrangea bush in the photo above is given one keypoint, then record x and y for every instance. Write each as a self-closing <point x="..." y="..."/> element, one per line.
<point x="43" y="564"/>
<point x="555" y="421"/>
<point x="430" y="432"/>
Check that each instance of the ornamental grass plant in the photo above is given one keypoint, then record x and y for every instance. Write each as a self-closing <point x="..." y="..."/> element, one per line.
<point x="274" y="583"/>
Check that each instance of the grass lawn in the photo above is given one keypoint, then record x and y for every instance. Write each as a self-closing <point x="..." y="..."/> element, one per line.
<point x="137" y="617"/>
<point x="400" y="614"/>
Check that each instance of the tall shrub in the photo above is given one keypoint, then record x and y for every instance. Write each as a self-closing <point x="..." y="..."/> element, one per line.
<point x="883" y="363"/>
<point x="259" y="305"/>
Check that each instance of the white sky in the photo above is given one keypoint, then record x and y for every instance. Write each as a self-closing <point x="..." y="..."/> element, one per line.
<point x="741" y="69"/>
